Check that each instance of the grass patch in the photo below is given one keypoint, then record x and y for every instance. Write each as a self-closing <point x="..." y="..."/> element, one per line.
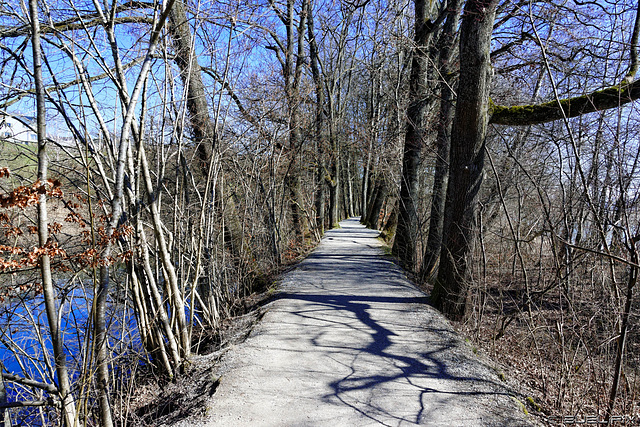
<point x="21" y="159"/>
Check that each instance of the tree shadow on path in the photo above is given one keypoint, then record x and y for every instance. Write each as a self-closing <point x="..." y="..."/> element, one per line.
<point x="416" y="365"/>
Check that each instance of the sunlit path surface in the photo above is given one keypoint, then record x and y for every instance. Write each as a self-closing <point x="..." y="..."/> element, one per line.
<point x="350" y="342"/>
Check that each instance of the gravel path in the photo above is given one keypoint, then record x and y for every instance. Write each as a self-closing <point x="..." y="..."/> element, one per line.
<point x="351" y="342"/>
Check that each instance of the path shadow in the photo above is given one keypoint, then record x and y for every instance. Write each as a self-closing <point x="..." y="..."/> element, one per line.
<point x="345" y="288"/>
<point x="411" y="367"/>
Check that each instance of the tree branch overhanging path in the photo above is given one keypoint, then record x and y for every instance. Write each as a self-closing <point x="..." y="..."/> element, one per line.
<point x="350" y="341"/>
<point x="605" y="99"/>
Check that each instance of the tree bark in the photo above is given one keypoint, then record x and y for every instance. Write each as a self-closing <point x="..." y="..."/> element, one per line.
<point x="523" y="115"/>
<point x="49" y="294"/>
<point x="373" y="220"/>
<point x="446" y="50"/>
<point x="5" y="416"/>
<point x="204" y="131"/>
<point x="103" y="288"/>
<point x="451" y="289"/>
<point x="349" y="189"/>
<point x="334" y="194"/>
<point x="191" y="74"/>
<point x="389" y="229"/>
<point x="631" y="283"/>
<point x="374" y="188"/>
<point x="175" y="294"/>
<point x="320" y="122"/>
<point x="404" y="246"/>
<point x="292" y="72"/>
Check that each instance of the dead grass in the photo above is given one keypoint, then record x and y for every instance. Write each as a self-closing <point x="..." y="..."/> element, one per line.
<point x="559" y="351"/>
<point x="159" y="402"/>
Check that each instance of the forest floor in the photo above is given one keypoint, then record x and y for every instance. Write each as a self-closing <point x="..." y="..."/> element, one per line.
<point x="346" y="341"/>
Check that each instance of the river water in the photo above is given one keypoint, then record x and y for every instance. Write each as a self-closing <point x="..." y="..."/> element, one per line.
<point x="25" y="343"/>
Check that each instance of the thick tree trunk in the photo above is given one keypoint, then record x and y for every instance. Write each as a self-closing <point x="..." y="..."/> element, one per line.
<point x="297" y="215"/>
<point x="441" y="176"/>
<point x="292" y="72"/>
<point x="320" y="122"/>
<point x="203" y="128"/>
<point x="190" y="72"/>
<point x="375" y="188"/>
<point x="373" y="221"/>
<point x="438" y="192"/>
<point x="334" y="184"/>
<point x="451" y="290"/>
<point x="320" y="195"/>
<point x="389" y="229"/>
<point x="404" y="246"/>
<point x="374" y="119"/>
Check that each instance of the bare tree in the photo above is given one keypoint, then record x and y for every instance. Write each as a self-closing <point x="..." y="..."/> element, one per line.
<point x="64" y="385"/>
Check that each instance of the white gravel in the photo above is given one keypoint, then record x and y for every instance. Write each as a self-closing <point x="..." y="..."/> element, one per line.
<point x="351" y="342"/>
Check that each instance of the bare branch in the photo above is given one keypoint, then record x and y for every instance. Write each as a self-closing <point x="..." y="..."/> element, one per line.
<point x="30" y="383"/>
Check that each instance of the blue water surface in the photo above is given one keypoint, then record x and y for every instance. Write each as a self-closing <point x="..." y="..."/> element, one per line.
<point x="25" y="342"/>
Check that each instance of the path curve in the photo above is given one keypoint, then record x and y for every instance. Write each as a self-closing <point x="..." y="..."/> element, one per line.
<point x="350" y="342"/>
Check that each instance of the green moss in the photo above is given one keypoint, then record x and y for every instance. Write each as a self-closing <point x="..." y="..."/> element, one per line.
<point x="521" y="405"/>
<point x="522" y="115"/>
<point x="272" y="290"/>
<point x="388" y="236"/>
<point x="385" y="244"/>
<point x="533" y="404"/>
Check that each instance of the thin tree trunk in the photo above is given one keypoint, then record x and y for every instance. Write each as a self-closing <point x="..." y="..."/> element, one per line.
<point x="344" y="184"/>
<point x="175" y="294"/>
<point x="159" y="313"/>
<point x="349" y="179"/>
<point x="102" y="293"/>
<point x="624" y="326"/>
<point x="64" y="386"/>
<point x="5" y="418"/>
<point x="203" y="127"/>
<point x="365" y="184"/>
